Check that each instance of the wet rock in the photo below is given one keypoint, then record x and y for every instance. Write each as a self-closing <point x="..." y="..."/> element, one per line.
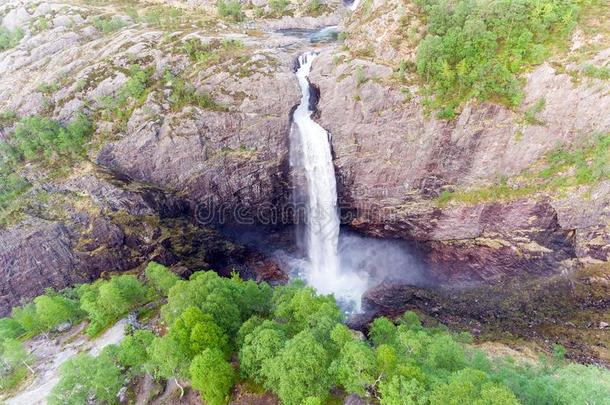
<point x="354" y="399"/>
<point x="63" y="327"/>
<point x="132" y="321"/>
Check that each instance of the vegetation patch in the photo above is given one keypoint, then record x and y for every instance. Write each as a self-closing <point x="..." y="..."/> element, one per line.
<point x="9" y="39"/>
<point x="230" y="9"/>
<point x="561" y="169"/>
<point x="184" y="94"/>
<point x="287" y="340"/>
<point x="597" y="72"/>
<point x="45" y="143"/>
<point x="214" y="51"/>
<point x="477" y="49"/>
<point x="108" y="25"/>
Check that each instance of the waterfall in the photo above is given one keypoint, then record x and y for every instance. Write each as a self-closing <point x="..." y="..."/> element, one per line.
<point x="351" y="4"/>
<point x="321" y="239"/>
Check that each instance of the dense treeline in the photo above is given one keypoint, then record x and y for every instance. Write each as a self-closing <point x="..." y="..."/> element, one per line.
<point x="476" y="49"/>
<point x="287" y="340"/>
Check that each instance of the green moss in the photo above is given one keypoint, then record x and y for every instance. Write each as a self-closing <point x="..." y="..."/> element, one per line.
<point x="530" y="116"/>
<point x="602" y="73"/>
<point x="184" y="94"/>
<point x="561" y="169"/>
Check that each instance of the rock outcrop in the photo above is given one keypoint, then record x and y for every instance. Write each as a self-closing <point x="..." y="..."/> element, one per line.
<point x="394" y="160"/>
<point x="161" y="174"/>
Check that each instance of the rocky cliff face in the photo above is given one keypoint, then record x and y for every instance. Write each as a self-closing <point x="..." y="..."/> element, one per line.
<point x="394" y="160"/>
<point x="161" y="172"/>
<point x="161" y="165"/>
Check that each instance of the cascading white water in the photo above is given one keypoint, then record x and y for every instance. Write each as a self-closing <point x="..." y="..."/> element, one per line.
<point x="322" y="217"/>
<point x="352" y="5"/>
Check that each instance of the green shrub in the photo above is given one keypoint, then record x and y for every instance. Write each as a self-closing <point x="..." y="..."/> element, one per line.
<point x="132" y="351"/>
<point x="399" y="390"/>
<point x="230" y="9"/>
<point x="314" y="7"/>
<point x="299" y="370"/>
<point x="360" y="76"/>
<point x="167" y="359"/>
<point x="41" y="139"/>
<point x="107" y="301"/>
<point x="278" y="7"/>
<point x="7" y="118"/>
<point x="48" y="88"/>
<point x="213" y="52"/>
<point x="27" y="318"/>
<point x="84" y="377"/>
<point x="12" y="186"/>
<point x="9" y="39"/>
<point x="183" y="94"/>
<point x="53" y="310"/>
<point x="212" y="376"/>
<point x="532" y="112"/>
<point x="10" y="329"/>
<point x="293" y="342"/>
<point x="108" y="24"/>
<point x="598" y="72"/>
<point x="160" y="278"/>
<point x="165" y="17"/>
<point x="469" y="386"/>
<point x="260" y="345"/>
<point x="14" y="365"/>
<point x="476" y="49"/>
<point x="356" y="368"/>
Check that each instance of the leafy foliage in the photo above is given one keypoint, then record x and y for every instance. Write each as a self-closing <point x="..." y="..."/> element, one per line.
<point x="476" y="49"/>
<point x="13" y="363"/>
<point x="106" y="301"/>
<point x="9" y="39"/>
<point x="10" y="329"/>
<point x="298" y="370"/>
<point x="213" y="376"/>
<point x="230" y="9"/>
<point x="278" y="7"/>
<point x="598" y="72"/>
<point x="108" y="24"/>
<point x="86" y="376"/>
<point x="41" y="141"/>
<point x="291" y="341"/>
<point x="43" y="315"/>
<point x="160" y="278"/>
<point x="53" y="309"/>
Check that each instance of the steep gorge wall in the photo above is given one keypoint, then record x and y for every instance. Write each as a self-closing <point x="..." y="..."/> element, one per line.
<point x="396" y="161"/>
<point x="392" y="160"/>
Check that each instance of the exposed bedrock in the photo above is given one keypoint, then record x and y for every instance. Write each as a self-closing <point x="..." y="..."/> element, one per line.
<point x="393" y="162"/>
